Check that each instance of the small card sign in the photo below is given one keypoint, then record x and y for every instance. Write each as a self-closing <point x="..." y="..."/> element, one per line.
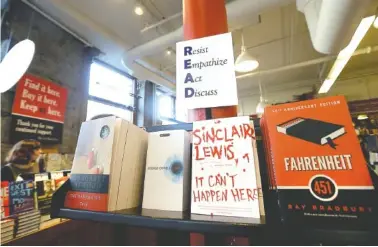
<point x="205" y="72"/>
<point x="223" y="168"/>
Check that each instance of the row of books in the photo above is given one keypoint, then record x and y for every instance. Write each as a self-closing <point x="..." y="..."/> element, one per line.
<point x="314" y="161"/>
<point x="315" y="164"/>
<point x="118" y="166"/>
<point x="20" y="225"/>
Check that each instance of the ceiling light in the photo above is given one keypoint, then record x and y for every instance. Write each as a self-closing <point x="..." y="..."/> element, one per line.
<point x="362" y="117"/>
<point x="261" y="106"/>
<point x="168" y="52"/>
<point x="245" y="62"/>
<point x="345" y="54"/>
<point x="138" y="10"/>
<point x="376" y="22"/>
<point x="15" y="64"/>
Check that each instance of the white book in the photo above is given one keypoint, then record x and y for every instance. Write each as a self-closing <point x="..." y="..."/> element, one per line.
<point x="224" y="178"/>
<point x="166" y="183"/>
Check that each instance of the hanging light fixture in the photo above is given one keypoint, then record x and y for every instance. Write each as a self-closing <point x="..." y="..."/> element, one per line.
<point x="245" y="62"/>
<point x="16" y="61"/>
<point x="138" y="8"/>
<point x="262" y="104"/>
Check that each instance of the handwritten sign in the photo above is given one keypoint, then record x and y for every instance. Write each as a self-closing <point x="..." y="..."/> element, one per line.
<point x="38" y="110"/>
<point x="223" y="168"/>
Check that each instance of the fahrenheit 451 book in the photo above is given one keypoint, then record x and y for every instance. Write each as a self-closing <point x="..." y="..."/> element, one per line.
<point x="316" y="163"/>
<point x="108" y="166"/>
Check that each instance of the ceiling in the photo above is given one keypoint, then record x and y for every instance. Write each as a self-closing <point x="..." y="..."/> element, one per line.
<point x="278" y="38"/>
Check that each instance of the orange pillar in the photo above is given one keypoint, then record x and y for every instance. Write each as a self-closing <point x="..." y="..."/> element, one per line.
<point x="204" y="18"/>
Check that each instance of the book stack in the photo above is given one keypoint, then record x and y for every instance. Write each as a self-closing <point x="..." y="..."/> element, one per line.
<point x="45" y="188"/>
<point x="27" y="223"/>
<point x="225" y="169"/>
<point x="167" y="171"/>
<point x="7" y="230"/>
<point x="315" y="163"/>
<point x="108" y="167"/>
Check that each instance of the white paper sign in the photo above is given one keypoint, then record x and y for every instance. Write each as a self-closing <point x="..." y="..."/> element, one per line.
<point x="223" y="168"/>
<point x="205" y="72"/>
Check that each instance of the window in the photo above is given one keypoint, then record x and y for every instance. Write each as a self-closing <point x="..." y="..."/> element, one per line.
<point x="166" y="108"/>
<point x="110" y="93"/>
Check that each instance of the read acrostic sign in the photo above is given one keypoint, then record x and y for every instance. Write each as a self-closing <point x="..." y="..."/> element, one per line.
<point x="223" y="168"/>
<point x="39" y="98"/>
<point x="205" y="72"/>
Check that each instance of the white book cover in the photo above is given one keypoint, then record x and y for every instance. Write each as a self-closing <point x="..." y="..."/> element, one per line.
<point x="167" y="171"/>
<point x="223" y="168"/>
<point x="94" y="147"/>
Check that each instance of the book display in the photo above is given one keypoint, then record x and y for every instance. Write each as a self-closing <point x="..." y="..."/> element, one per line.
<point x="250" y="152"/>
<point x="189" y="122"/>
<point x="26" y="204"/>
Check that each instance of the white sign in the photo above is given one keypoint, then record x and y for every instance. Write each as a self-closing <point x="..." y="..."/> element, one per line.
<point x="223" y="168"/>
<point x="205" y="72"/>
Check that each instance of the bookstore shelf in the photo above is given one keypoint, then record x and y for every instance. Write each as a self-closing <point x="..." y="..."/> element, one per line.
<point x="268" y="230"/>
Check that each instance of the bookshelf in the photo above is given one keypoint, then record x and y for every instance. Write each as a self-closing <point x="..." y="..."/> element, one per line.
<point x="268" y="231"/>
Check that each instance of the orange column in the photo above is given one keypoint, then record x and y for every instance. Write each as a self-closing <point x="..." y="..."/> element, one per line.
<point x="204" y="18"/>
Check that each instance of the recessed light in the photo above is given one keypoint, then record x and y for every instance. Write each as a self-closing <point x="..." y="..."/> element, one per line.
<point x="168" y="52"/>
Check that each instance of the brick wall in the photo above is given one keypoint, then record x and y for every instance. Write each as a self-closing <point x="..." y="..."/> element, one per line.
<point x="59" y="57"/>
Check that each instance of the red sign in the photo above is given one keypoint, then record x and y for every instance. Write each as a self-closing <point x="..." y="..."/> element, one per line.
<point x="39" y="98"/>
